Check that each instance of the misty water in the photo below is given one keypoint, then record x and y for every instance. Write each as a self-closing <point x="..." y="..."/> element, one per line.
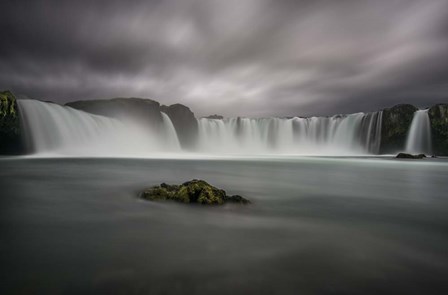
<point x="317" y="225"/>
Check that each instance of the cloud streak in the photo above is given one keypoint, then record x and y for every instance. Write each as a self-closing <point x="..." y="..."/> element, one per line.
<point x="249" y="58"/>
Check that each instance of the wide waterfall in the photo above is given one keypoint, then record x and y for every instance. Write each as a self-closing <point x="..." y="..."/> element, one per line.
<point x="338" y="135"/>
<point x="54" y="129"/>
<point x="419" y="135"/>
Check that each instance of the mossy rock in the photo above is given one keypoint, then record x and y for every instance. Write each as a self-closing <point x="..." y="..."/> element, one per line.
<point x="438" y="115"/>
<point x="194" y="192"/>
<point x="10" y="131"/>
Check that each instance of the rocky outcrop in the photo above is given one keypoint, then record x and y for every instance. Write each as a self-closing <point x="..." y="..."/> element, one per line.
<point x="395" y="125"/>
<point x="410" y="156"/>
<point x="185" y="124"/>
<point x="438" y="115"/>
<point x="146" y="111"/>
<point x="191" y="192"/>
<point x="10" y="132"/>
<point x="139" y="109"/>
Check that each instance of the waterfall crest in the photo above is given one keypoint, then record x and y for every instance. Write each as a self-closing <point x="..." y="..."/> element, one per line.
<point x="52" y="128"/>
<point x="419" y="135"/>
<point x="338" y="135"/>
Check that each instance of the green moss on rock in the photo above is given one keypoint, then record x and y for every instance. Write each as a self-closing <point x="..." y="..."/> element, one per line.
<point x="438" y="115"/>
<point x="10" y="133"/>
<point x="395" y="125"/>
<point x="194" y="191"/>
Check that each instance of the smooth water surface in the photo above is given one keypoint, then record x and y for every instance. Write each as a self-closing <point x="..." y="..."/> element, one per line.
<point x="316" y="226"/>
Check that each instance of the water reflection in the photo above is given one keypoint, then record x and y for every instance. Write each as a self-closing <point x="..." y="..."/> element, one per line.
<point x="317" y="226"/>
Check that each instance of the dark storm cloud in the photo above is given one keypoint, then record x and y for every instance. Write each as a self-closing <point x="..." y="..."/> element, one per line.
<point x="233" y="57"/>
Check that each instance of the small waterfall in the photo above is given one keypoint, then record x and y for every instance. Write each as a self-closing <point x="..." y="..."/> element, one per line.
<point x="52" y="128"/>
<point x="171" y="138"/>
<point x="338" y="135"/>
<point x="419" y="135"/>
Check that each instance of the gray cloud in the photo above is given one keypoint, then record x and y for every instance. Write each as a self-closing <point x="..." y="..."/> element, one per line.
<point x="234" y="57"/>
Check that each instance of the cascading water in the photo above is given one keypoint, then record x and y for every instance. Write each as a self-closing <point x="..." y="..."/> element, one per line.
<point x="171" y="139"/>
<point x="55" y="129"/>
<point x="338" y="135"/>
<point x="419" y="135"/>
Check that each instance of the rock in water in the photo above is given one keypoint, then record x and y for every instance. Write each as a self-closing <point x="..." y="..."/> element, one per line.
<point x="410" y="156"/>
<point x="194" y="191"/>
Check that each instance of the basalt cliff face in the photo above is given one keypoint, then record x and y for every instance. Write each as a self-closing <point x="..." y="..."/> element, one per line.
<point x="395" y="125"/>
<point x="10" y="131"/>
<point x="145" y="111"/>
<point x="139" y="109"/>
<point x="185" y="124"/>
<point x="438" y="116"/>
<point x="395" y="121"/>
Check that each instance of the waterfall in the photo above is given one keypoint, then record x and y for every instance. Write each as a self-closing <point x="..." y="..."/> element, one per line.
<point x="56" y="129"/>
<point x="338" y="135"/>
<point x="171" y="139"/>
<point x="419" y="135"/>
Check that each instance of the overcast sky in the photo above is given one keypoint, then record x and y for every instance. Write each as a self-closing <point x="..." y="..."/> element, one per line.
<point x="230" y="57"/>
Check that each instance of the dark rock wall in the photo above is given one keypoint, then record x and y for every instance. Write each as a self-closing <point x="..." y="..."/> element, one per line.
<point x="10" y="132"/>
<point x="185" y="124"/>
<point x="139" y="109"/>
<point x="146" y="111"/>
<point x="438" y="115"/>
<point x="395" y="125"/>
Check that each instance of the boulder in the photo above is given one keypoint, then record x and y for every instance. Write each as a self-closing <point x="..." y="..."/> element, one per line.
<point x="194" y="191"/>
<point x="10" y="132"/>
<point x="410" y="156"/>
<point x="396" y="122"/>
<point x="438" y="115"/>
<point x="185" y="124"/>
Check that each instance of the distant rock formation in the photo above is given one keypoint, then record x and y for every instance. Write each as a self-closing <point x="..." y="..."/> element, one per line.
<point x="146" y="111"/>
<point x="185" y="124"/>
<point x="139" y="109"/>
<point x="215" y="117"/>
<point x="395" y="126"/>
<point x="438" y="115"/>
<point x="10" y="132"/>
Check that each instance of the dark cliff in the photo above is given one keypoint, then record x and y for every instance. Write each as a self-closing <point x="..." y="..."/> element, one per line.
<point x="185" y="124"/>
<point x="139" y="109"/>
<point x="395" y="126"/>
<point x="10" y="132"/>
<point x="438" y="115"/>
<point x="146" y="111"/>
